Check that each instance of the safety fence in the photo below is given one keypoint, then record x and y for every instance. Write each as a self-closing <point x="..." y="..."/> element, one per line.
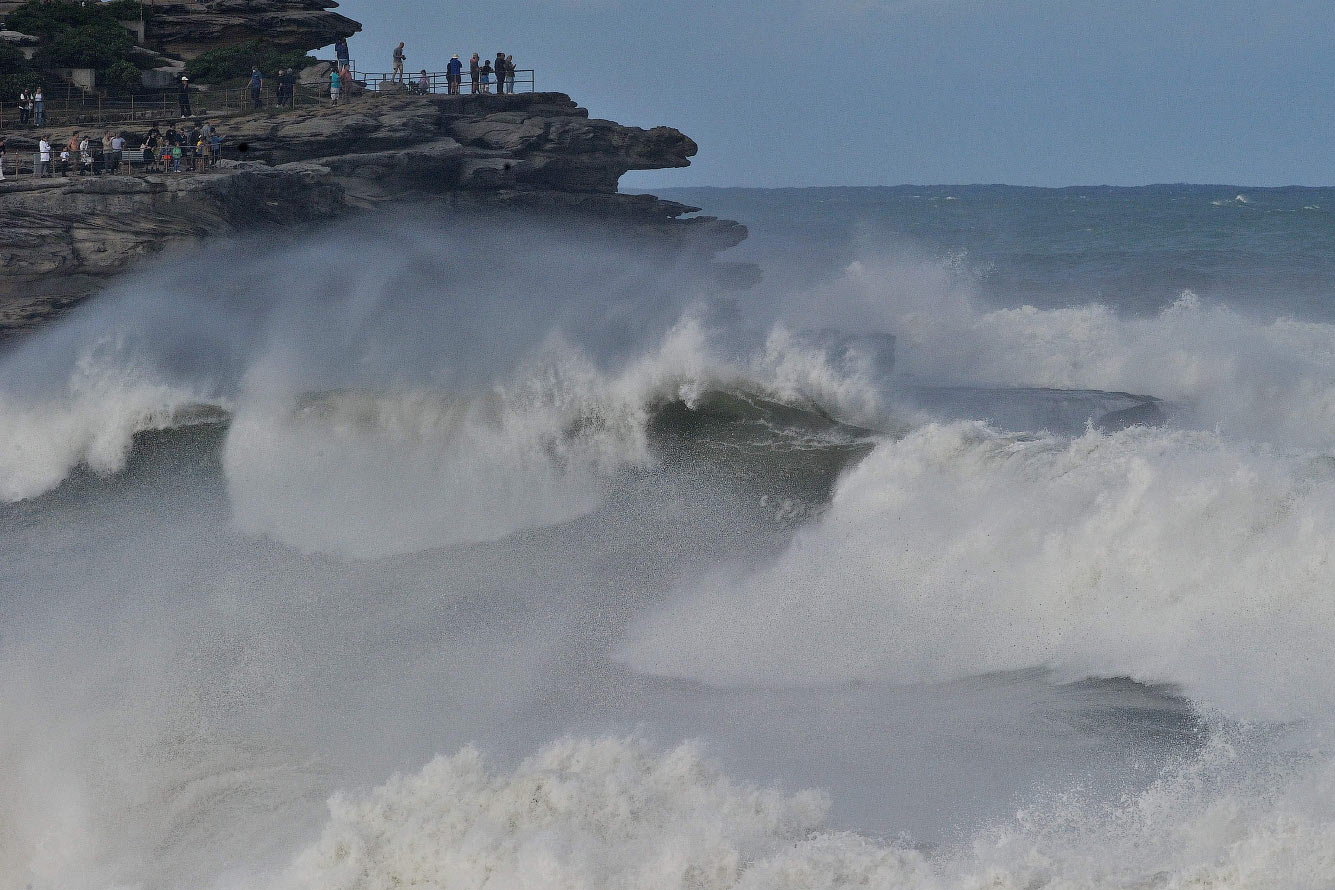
<point x="99" y="110"/>
<point x="127" y="162"/>
<point x="83" y="110"/>
<point x="524" y="81"/>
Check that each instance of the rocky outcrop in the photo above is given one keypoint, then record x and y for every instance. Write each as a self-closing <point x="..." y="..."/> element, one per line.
<point x="533" y="153"/>
<point x="186" y="28"/>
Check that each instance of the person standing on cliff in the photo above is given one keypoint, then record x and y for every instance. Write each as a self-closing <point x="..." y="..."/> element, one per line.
<point x="399" y="58"/>
<point x="183" y="95"/>
<point x="335" y="87"/>
<point x="454" y="75"/>
<point x="256" y="84"/>
<point x="39" y="108"/>
<point x="25" y="108"/>
<point x="499" y="68"/>
<point x="510" y="74"/>
<point x="475" y="71"/>
<point x="288" y="82"/>
<point x="341" y="52"/>
<point x="44" y="157"/>
<point x="117" y="152"/>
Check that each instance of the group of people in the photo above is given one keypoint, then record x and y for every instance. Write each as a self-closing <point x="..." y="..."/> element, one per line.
<point x="195" y="145"/>
<point x="32" y="108"/>
<point x="287" y="88"/>
<point x="481" y="74"/>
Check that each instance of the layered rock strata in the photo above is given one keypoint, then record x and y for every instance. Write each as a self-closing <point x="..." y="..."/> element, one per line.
<point x="186" y="28"/>
<point x="536" y="153"/>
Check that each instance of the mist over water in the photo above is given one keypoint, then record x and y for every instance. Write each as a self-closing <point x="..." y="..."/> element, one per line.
<point x="462" y="555"/>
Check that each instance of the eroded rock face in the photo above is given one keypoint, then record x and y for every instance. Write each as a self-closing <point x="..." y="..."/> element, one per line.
<point x="187" y="28"/>
<point x="533" y="153"/>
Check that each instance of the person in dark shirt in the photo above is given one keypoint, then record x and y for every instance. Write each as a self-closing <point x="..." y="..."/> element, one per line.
<point x="499" y="68"/>
<point x="256" y="84"/>
<point x="183" y="96"/>
<point x="454" y="75"/>
<point x="475" y="71"/>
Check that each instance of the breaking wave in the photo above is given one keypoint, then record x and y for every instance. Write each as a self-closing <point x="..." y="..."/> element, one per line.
<point x="614" y="814"/>
<point x="1164" y="556"/>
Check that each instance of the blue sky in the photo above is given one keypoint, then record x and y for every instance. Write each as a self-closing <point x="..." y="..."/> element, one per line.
<point x="882" y="92"/>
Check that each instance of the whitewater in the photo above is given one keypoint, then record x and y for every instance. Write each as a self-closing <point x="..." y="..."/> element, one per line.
<point x="915" y="566"/>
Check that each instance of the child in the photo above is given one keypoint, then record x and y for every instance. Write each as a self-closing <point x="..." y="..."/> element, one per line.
<point x="486" y="76"/>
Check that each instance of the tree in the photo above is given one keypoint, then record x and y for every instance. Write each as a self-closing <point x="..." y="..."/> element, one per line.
<point x="235" y="62"/>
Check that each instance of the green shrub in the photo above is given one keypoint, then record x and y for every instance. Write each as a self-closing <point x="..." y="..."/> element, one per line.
<point x="90" y="46"/>
<point x="121" y="77"/>
<point x="48" y="20"/>
<point x="235" y="62"/>
<point x="76" y="36"/>
<point x="13" y="84"/>
<point x="11" y="60"/>
<point x="126" y="10"/>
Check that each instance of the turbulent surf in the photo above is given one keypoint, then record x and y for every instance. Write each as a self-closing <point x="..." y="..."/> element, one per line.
<point x="484" y="567"/>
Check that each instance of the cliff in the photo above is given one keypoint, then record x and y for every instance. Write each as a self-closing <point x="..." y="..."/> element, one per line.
<point x="532" y="153"/>
<point x="186" y="28"/>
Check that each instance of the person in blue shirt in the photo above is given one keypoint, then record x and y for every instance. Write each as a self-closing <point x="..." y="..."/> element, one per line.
<point x="454" y="75"/>
<point x="341" y="52"/>
<point x="256" y="84"/>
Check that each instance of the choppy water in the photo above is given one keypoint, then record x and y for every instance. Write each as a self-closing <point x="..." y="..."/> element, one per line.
<point x="519" y="561"/>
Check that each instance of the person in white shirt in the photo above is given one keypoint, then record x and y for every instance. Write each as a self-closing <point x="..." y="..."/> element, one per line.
<point x="117" y="153"/>
<point x="44" y="157"/>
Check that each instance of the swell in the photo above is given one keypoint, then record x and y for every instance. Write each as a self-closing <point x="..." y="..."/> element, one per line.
<point x="1160" y="555"/>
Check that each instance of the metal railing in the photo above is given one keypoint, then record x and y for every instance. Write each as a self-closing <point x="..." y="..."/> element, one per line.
<point x="437" y="82"/>
<point x="98" y="110"/>
<point x="128" y="162"/>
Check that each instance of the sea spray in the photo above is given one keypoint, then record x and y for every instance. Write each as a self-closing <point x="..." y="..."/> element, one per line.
<point x="959" y="551"/>
<point x="615" y="814"/>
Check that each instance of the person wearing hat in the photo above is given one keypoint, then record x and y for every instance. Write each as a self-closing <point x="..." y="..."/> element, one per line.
<point x="183" y="93"/>
<point x="454" y="75"/>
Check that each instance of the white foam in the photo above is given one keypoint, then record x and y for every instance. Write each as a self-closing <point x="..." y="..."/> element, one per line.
<point x="604" y="813"/>
<point x="615" y="815"/>
<point x="92" y="423"/>
<point x="365" y="474"/>
<point x="1267" y="379"/>
<point x="1163" y="556"/>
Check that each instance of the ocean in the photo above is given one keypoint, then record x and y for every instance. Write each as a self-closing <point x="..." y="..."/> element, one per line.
<point x="986" y="542"/>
